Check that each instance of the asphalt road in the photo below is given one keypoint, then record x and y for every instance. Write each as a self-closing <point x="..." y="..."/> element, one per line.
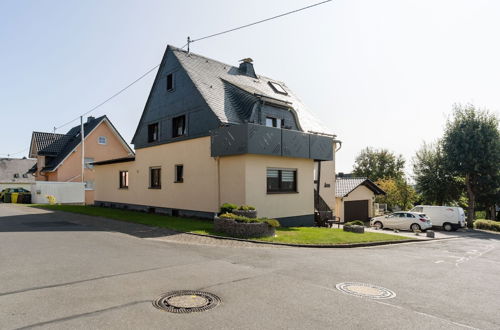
<point x="66" y="271"/>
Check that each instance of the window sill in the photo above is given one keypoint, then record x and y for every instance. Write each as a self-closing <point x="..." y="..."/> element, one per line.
<point x="123" y="188"/>
<point x="154" y="188"/>
<point x="281" y="192"/>
<point x="179" y="181"/>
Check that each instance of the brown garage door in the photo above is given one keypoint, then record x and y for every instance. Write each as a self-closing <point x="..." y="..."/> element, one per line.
<point x="356" y="210"/>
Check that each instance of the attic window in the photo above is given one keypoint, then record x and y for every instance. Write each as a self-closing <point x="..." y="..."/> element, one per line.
<point x="170" y="82"/>
<point x="153" y="132"/>
<point x="278" y="88"/>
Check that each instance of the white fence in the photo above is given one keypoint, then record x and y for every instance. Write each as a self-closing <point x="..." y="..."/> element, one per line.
<point x="64" y="192"/>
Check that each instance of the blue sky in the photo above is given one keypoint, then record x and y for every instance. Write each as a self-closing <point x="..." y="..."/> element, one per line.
<point x="380" y="73"/>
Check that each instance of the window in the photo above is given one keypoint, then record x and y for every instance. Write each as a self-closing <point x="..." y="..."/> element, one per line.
<point x="16" y="175"/>
<point x="281" y="181"/>
<point x="155" y="178"/>
<point x="179" y="173"/>
<point x="153" y="132"/>
<point x="179" y="126"/>
<point x="89" y="185"/>
<point x="88" y="162"/>
<point x="278" y="88"/>
<point x="170" y="82"/>
<point x="102" y="140"/>
<point x="123" y="179"/>
<point x="274" y="122"/>
<point x="25" y="175"/>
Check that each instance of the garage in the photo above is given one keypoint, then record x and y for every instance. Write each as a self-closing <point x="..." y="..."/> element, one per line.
<point x="355" y="198"/>
<point x="356" y="210"/>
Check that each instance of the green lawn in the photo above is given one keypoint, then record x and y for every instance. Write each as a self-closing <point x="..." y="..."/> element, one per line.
<point x="294" y="235"/>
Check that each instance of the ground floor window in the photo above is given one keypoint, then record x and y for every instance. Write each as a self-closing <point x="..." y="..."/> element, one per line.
<point x="89" y="185"/>
<point x="179" y="173"/>
<point x="281" y="180"/>
<point x="123" y="179"/>
<point x="155" y="177"/>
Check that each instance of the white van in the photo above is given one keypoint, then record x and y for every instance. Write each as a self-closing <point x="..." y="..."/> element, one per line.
<point x="448" y="217"/>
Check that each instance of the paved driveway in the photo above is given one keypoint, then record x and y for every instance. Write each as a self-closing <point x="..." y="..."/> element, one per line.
<point x="66" y="271"/>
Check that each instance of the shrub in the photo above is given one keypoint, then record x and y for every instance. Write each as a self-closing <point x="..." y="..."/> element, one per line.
<point x="487" y="224"/>
<point x="354" y="223"/>
<point x="228" y="207"/>
<point x="271" y="222"/>
<point x="246" y="208"/>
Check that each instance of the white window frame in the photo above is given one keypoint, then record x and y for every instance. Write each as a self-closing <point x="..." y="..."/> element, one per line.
<point x="87" y="161"/>
<point x="105" y="140"/>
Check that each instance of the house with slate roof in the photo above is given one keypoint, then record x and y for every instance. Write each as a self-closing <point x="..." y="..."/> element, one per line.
<point x="212" y="133"/>
<point x="14" y="173"/>
<point x="355" y="198"/>
<point x="59" y="156"/>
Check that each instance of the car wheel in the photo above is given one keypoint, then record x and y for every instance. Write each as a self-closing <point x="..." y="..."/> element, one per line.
<point x="447" y="227"/>
<point x="378" y="225"/>
<point x="414" y="227"/>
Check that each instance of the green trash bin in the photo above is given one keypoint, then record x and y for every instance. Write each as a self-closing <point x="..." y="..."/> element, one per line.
<point x="7" y="197"/>
<point x="14" y="197"/>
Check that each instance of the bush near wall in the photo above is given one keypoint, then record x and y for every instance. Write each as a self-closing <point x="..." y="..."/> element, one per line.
<point x="354" y="223"/>
<point x="487" y="224"/>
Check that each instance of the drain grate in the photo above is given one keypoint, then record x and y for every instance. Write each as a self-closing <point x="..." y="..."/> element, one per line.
<point x="365" y="290"/>
<point x="186" y="301"/>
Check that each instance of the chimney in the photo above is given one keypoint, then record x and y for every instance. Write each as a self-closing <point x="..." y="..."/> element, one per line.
<point x="90" y="118"/>
<point x="246" y="67"/>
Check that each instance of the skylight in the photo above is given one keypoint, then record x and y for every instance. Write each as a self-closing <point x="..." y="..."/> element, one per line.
<point x="278" y="88"/>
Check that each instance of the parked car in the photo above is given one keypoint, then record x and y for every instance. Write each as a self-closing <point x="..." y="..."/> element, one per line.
<point x="11" y="190"/>
<point x="402" y="220"/>
<point x="448" y="217"/>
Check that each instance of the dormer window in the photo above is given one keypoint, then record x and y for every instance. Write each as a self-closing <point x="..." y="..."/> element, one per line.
<point x="274" y="122"/>
<point x="153" y="132"/>
<point x="278" y="88"/>
<point x="170" y="82"/>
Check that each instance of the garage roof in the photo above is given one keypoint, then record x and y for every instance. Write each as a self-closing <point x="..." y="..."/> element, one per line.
<point x="344" y="186"/>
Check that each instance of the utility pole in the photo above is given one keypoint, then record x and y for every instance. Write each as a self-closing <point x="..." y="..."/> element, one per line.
<point x="83" y="146"/>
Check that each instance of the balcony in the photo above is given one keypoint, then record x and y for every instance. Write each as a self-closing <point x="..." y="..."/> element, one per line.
<point x="263" y="140"/>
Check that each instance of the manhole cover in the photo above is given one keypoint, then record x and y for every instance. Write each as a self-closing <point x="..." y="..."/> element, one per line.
<point x="365" y="290"/>
<point x="186" y="301"/>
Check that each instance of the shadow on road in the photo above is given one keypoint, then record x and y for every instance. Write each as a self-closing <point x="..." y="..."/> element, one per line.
<point x="39" y="220"/>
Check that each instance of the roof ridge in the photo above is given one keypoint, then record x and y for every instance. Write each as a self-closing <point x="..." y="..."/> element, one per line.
<point x="225" y="64"/>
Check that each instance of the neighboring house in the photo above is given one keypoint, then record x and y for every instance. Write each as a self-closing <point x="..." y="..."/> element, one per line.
<point x="355" y="198"/>
<point x="59" y="156"/>
<point x="14" y="173"/>
<point x="212" y="133"/>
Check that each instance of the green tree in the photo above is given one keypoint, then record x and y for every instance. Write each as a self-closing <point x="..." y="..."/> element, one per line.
<point x="434" y="182"/>
<point x="398" y="193"/>
<point x="378" y="164"/>
<point x="471" y="148"/>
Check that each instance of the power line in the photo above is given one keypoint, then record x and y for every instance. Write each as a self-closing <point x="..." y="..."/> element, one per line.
<point x="15" y="153"/>
<point x="255" y="23"/>
<point x="187" y="44"/>
<point x="110" y="98"/>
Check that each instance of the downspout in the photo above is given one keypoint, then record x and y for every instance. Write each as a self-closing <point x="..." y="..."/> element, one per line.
<point x="217" y="159"/>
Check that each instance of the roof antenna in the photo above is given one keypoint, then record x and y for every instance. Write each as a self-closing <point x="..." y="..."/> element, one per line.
<point x="54" y="134"/>
<point x="189" y="41"/>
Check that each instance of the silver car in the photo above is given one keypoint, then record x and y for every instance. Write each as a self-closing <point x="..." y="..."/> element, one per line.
<point x="402" y="220"/>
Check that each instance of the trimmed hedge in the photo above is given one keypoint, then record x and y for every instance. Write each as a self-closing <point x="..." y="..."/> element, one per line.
<point x="487" y="224"/>
<point x="272" y="222"/>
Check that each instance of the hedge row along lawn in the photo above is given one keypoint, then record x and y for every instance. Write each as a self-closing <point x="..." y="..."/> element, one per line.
<point x="293" y="235"/>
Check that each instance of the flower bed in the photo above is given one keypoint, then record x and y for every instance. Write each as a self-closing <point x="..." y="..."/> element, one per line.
<point x="238" y="226"/>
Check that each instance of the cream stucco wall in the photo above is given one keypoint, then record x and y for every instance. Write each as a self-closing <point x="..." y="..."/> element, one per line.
<point x="242" y="180"/>
<point x="360" y="193"/>
<point x="279" y="205"/>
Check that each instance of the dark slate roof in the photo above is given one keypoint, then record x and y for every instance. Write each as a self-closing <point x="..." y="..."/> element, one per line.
<point x="212" y="78"/>
<point x="41" y="140"/>
<point x="345" y="185"/>
<point x="12" y="170"/>
<point x="63" y="144"/>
